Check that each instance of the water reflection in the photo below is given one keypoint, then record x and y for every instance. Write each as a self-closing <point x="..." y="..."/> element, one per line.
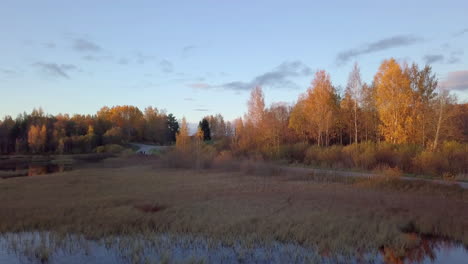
<point x="41" y="169"/>
<point x="155" y="248"/>
<point x="32" y="169"/>
<point x="427" y="249"/>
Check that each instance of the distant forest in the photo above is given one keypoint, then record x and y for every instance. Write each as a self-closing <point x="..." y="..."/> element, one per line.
<point x="40" y="133"/>
<point x="404" y="105"/>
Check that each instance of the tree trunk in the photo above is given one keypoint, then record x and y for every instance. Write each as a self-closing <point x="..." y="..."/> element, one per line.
<point x="439" y="122"/>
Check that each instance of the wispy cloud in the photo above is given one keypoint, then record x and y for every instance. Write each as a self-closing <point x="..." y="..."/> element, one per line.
<point x="123" y="61"/>
<point x="433" y="58"/>
<point x="166" y="66"/>
<point x="280" y="77"/>
<point x="455" y="57"/>
<point x="461" y="32"/>
<point x="201" y="109"/>
<point x="50" y="45"/>
<point x="83" y="45"/>
<point x="7" y="71"/>
<point x="457" y="80"/>
<point x="187" y="51"/>
<point x="189" y="99"/>
<point x="379" y="45"/>
<point x="144" y="58"/>
<point x="56" y="70"/>
<point x="96" y="58"/>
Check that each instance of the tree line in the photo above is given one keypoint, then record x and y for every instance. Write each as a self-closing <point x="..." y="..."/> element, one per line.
<point x="40" y="133"/>
<point x="403" y="120"/>
<point x="404" y="104"/>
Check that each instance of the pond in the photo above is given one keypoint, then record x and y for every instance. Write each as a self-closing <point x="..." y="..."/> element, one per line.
<point x="23" y="166"/>
<point x="34" y="169"/>
<point x="163" y="248"/>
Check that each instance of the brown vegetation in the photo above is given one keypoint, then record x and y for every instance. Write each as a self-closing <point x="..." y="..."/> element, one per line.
<point x="332" y="213"/>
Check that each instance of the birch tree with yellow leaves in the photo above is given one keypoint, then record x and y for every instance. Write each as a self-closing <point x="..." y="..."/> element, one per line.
<point x="394" y="99"/>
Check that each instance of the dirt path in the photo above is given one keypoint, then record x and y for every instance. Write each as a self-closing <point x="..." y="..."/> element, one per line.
<point x="369" y="175"/>
<point x="147" y="149"/>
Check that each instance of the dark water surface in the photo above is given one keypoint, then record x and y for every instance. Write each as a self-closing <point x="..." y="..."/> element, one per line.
<point x="47" y="248"/>
<point x="34" y="166"/>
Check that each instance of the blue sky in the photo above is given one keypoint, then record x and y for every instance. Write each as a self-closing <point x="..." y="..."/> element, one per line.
<point x="195" y="58"/>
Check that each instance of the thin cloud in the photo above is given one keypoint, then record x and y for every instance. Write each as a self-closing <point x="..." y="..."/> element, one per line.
<point x="7" y="71"/>
<point x="96" y="58"/>
<point x="280" y="77"/>
<point x="189" y="99"/>
<point x="201" y="109"/>
<point x="123" y="61"/>
<point x="457" y="80"/>
<point x="56" y="70"/>
<point x="188" y="50"/>
<point x="50" y="45"/>
<point x="455" y="57"/>
<point x="461" y="32"/>
<point x="144" y="58"/>
<point x="83" y="45"/>
<point x="433" y="58"/>
<point x="166" y="66"/>
<point x="380" y="45"/>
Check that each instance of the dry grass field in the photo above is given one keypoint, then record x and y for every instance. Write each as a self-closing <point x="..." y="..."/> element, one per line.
<point x="133" y="194"/>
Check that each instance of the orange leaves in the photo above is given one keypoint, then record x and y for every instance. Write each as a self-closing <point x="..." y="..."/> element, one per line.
<point x="394" y="100"/>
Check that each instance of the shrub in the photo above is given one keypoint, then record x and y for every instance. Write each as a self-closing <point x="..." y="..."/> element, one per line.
<point x="429" y="162"/>
<point x="294" y="152"/>
<point x="110" y="148"/>
<point x="330" y="156"/>
<point x="388" y="172"/>
<point x="385" y="155"/>
<point x="192" y="158"/>
<point x="312" y="155"/>
<point x="450" y="159"/>
<point x="457" y="157"/>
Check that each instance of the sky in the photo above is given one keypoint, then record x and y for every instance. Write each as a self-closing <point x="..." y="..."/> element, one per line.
<point x="197" y="58"/>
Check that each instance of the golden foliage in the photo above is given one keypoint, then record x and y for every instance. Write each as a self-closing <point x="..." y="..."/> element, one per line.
<point x="394" y="102"/>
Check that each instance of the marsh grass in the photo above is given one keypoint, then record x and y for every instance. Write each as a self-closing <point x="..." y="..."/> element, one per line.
<point x="330" y="213"/>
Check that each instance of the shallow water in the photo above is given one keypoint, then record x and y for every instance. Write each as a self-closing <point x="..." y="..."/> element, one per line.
<point x="32" y="169"/>
<point x="48" y="248"/>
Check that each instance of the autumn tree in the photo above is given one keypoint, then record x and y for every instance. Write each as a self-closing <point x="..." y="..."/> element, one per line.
<point x="299" y="120"/>
<point x="256" y="106"/>
<point x="37" y="136"/>
<point x="275" y="128"/>
<point x="183" y="137"/>
<point x="423" y="84"/>
<point x="321" y="106"/>
<point x="353" y="94"/>
<point x="370" y="117"/>
<point x="217" y="126"/>
<point x="394" y="99"/>
<point x="155" y="128"/>
<point x="251" y="137"/>
<point x="113" y="136"/>
<point x="347" y="115"/>
<point x="445" y="113"/>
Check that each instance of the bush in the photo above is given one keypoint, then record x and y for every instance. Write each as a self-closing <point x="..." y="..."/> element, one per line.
<point x="385" y="155"/>
<point x="330" y="156"/>
<point x="294" y="152"/>
<point x="110" y="148"/>
<point x="312" y="155"/>
<point x="193" y="158"/>
<point x="388" y="172"/>
<point x="451" y="159"/>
